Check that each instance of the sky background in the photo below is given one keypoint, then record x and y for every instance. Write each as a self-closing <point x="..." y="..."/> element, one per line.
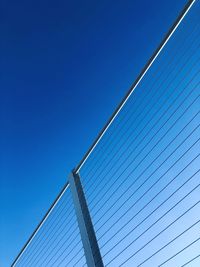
<point x="64" y="66"/>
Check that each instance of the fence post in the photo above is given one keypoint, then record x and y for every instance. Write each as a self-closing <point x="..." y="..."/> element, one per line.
<point x="90" y="245"/>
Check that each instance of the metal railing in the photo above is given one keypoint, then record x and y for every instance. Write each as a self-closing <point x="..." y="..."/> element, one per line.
<point x="134" y="199"/>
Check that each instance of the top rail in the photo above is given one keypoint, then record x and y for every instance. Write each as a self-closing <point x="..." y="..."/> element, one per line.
<point x="135" y="84"/>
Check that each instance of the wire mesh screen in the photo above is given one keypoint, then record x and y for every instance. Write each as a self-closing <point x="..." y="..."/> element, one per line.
<point x="58" y="241"/>
<point x="142" y="181"/>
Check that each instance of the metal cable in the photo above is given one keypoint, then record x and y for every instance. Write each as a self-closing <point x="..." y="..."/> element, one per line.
<point x="170" y="242"/>
<point x="171" y="127"/>
<point x="130" y="186"/>
<point x="157" y="121"/>
<point x="167" y="227"/>
<point x="57" y="248"/>
<point x="162" y="203"/>
<point x="190" y="261"/>
<point x="131" y="111"/>
<point x="180" y="251"/>
<point x="152" y="212"/>
<point x="146" y="114"/>
<point x="47" y="235"/>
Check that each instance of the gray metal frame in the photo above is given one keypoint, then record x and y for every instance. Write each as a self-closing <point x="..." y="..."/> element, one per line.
<point x="90" y="244"/>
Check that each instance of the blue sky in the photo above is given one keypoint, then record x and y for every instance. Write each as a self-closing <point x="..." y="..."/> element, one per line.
<point x="64" y="67"/>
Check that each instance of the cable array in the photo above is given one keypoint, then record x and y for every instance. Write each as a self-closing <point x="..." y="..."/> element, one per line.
<point x="146" y="168"/>
<point x="107" y="170"/>
<point x="57" y="242"/>
<point x="130" y="114"/>
<point x="141" y="179"/>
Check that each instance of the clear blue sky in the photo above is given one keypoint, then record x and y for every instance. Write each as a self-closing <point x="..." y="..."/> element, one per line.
<point x="64" y="66"/>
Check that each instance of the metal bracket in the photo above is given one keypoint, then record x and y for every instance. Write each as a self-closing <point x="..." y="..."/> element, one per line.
<point x="90" y="245"/>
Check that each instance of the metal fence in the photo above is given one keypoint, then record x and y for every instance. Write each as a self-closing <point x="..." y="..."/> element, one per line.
<point x="134" y="199"/>
<point x="58" y="241"/>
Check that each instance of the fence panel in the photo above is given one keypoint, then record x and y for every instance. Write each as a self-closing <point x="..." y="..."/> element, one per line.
<point x="58" y="242"/>
<point x="142" y="181"/>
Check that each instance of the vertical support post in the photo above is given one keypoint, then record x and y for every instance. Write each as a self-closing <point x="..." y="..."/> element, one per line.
<point x="90" y="245"/>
